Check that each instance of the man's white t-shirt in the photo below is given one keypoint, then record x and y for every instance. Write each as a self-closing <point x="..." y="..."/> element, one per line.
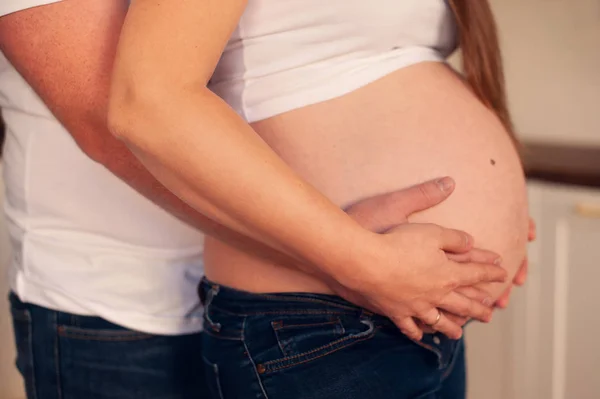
<point x="83" y="241"/>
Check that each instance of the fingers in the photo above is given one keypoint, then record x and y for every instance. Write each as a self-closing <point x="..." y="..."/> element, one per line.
<point x="427" y="195"/>
<point x="531" y="235"/>
<point x="458" y="320"/>
<point x="504" y="299"/>
<point x="454" y="241"/>
<point x="409" y="328"/>
<point x="477" y="256"/>
<point x="468" y="274"/>
<point x="462" y="306"/>
<point x="518" y="280"/>
<point x="381" y="213"/>
<point x="444" y="325"/>
<point x="521" y="275"/>
<point x="476" y="294"/>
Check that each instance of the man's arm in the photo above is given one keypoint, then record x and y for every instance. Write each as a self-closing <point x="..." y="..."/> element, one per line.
<point x="65" y="52"/>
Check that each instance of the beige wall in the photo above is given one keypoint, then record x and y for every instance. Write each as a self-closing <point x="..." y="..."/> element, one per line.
<point x="10" y="380"/>
<point x="552" y="58"/>
<point x="551" y="54"/>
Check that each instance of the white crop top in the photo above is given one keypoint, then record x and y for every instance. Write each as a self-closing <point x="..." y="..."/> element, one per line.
<point x="286" y="54"/>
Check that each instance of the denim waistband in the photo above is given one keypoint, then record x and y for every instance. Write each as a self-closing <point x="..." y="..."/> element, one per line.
<point x="243" y="303"/>
<point x="247" y="303"/>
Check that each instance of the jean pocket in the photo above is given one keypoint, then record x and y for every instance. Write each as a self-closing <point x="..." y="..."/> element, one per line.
<point x="295" y="336"/>
<point x="303" y="340"/>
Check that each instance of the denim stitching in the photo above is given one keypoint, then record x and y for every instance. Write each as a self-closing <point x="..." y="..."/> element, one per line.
<point x="427" y="395"/>
<point x="361" y="335"/>
<point x="295" y="298"/>
<point x="283" y="326"/>
<point x="262" y="388"/>
<point x="30" y="342"/>
<point x="285" y="366"/>
<point x="282" y="312"/>
<point x="279" y="325"/>
<point x="310" y="359"/>
<point x="295" y="312"/>
<point x="212" y="334"/>
<point x="435" y="351"/>
<point x="56" y="359"/>
<point x="218" y="381"/>
<point x="450" y="367"/>
<point x="292" y="297"/>
<point x="101" y="335"/>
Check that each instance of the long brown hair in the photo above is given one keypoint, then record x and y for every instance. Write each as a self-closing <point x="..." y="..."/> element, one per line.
<point x="481" y="56"/>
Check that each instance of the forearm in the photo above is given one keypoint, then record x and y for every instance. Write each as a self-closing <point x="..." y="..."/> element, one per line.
<point x="205" y="153"/>
<point x="114" y="155"/>
<point x="68" y="65"/>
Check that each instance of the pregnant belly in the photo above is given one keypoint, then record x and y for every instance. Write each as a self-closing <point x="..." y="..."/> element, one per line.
<point x="416" y="124"/>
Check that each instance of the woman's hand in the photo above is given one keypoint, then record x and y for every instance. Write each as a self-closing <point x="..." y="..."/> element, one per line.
<point x="415" y="272"/>
<point x="521" y="275"/>
<point x="379" y="214"/>
<point x="410" y="276"/>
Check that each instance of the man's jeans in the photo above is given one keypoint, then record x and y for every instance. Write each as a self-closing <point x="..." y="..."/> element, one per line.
<point x="64" y="356"/>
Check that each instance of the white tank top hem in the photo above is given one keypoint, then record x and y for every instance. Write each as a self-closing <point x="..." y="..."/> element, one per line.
<point x="86" y="243"/>
<point x="89" y="279"/>
<point x="38" y="294"/>
<point x="340" y="80"/>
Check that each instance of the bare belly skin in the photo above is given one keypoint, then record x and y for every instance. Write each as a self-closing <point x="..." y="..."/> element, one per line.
<point x="413" y="125"/>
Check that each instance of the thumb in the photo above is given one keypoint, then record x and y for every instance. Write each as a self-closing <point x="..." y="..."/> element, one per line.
<point x="422" y="196"/>
<point x="385" y="211"/>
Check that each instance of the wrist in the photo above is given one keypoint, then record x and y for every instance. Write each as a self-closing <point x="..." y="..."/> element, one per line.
<point x="356" y="269"/>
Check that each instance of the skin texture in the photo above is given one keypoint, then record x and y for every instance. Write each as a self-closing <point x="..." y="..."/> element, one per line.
<point x="159" y="99"/>
<point x="414" y="123"/>
<point x="68" y="65"/>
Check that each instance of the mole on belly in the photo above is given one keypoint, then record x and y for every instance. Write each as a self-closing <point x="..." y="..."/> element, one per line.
<point x="492" y="162"/>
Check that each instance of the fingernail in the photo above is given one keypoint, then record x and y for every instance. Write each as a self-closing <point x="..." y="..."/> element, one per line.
<point x="445" y="184"/>
<point x="498" y="261"/>
<point x="467" y="240"/>
<point x="487" y="302"/>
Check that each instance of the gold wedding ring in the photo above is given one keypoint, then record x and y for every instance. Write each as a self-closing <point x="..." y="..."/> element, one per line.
<point x="437" y="319"/>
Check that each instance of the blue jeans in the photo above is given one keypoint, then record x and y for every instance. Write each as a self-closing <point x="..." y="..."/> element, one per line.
<point x="308" y="346"/>
<point x="65" y="356"/>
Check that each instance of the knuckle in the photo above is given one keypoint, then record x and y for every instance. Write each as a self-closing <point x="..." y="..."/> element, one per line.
<point x="452" y="283"/>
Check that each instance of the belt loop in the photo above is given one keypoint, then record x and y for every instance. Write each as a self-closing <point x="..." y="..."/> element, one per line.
<point x="214" y="291"/>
